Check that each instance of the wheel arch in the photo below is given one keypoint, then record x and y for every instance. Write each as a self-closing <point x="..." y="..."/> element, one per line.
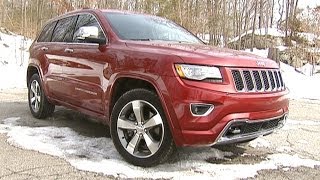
<point x="124" y="84"/>
<point x="32" y="69"/>
<point x="144" y="83"/>
<point x="35" y="69"/>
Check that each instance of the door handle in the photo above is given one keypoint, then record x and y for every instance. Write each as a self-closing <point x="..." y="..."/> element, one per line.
<point x="44" y="49"/>
<point x="67" y="50"/>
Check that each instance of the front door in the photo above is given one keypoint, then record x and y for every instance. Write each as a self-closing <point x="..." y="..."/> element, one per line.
<point x="83" y="69"/>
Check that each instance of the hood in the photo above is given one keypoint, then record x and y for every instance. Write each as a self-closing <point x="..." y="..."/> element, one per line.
<point x="205" y="55"/>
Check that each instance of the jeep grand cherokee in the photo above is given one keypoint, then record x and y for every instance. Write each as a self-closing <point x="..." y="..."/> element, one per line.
<point x="155" y="84"/>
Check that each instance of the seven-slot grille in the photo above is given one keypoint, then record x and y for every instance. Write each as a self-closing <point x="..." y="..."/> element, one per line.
<point x="257" y="80"/>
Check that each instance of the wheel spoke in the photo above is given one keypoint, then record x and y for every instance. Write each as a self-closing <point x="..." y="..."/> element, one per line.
<point x="38" y="98"/>
<point x="37" y="85"/>
<point x="33" y="99"/>
<point x="36" y="105"/>
<point x="152" y="145"/>
<point x="123" y="124"/>
<point x="33" y="86"/>
<point x="154" y="121"/>
<point x="137" y="109"/>
<point x="132" y="145"/>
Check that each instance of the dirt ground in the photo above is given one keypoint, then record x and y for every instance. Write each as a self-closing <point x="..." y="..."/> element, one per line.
<point x="16" y="163"/>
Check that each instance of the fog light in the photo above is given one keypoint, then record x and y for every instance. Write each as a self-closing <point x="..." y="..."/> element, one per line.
<point x="201" y="109"/>
<point x="235" y="130"/>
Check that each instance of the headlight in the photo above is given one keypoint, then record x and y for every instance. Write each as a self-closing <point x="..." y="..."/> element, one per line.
<point x="197" y="72"/>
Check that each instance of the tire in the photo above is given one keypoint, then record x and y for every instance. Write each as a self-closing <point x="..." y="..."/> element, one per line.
<point x="131" y="134"/>
<point x="39" y="105"/>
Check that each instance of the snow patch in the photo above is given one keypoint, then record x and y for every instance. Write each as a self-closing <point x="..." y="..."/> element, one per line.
<point x="99" y="155"/>
<point x="303" y="141"/>
<point x="259" y="143"/>
<point x="14" y="57"/>
<point x="283" y="149"/>
<point x="304" y="122"/>
<point x="262" y="32"/>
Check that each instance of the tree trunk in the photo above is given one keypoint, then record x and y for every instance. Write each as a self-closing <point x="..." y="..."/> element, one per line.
<point x="254" y="26"/>
<point x="273" y="53"/>
<point x="287" y="21"/>
<point x="272" y="11"/>
<point x="281" y="10"/>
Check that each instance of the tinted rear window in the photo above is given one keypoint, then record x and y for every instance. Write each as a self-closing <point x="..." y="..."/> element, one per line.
<point x="64" y="29"/>
<point x="46" y="33"/>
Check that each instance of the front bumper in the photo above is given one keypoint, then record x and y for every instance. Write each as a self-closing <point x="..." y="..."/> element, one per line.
<point x="243" y="130"/>
<point x="252" y="108"/>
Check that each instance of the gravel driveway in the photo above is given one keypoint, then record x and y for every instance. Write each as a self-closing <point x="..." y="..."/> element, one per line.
<point x="300" y="138"/>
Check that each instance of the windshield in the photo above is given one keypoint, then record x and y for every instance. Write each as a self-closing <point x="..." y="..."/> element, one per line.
<point x="148" y="28"/>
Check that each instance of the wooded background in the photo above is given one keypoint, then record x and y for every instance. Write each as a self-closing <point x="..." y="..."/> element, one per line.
<point x="221" y="20"/>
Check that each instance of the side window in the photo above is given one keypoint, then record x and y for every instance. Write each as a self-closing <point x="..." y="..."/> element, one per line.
<point x="46" y="33"/>
<point x="87" y="20"/>
<point x="64" y="29"/>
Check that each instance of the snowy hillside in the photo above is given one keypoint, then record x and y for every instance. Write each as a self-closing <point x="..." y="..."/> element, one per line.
<point x="13" y="59"/>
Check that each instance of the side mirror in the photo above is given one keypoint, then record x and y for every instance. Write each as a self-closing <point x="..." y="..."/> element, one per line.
<point x="89" y="34"/>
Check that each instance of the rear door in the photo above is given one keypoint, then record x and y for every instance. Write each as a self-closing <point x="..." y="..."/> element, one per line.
<point x="51" y="68"/>
<point x="84" y="67"/>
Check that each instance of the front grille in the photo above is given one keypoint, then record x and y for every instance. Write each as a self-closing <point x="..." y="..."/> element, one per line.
<point x="273" y="84"/>
<point x="257" y="80"/>
<point x="248" y="79"/>
<point x="237" y="79"/>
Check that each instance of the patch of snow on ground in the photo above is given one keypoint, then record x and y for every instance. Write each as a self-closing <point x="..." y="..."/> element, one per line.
<point x="300" y="86"/>
<point x="14" y="57"/>
<point x="262" y="32"/>
<point x="99" y="155"/>
<point x="284" y="149"/>
<point x="309" y="69"/>
<point x="304" y="122"/>
<point x="259" y="143"/>
<point x="13" y="76"/>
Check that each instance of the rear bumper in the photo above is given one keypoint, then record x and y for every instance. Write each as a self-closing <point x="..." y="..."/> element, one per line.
<point x="190" y="130"/>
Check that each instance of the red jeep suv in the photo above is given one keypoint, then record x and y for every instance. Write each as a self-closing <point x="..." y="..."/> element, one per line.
<point x="153" y="82"/>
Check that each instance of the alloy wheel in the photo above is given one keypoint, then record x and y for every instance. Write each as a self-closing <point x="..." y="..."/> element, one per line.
<point x="35" y="95"/>
<point x="140" y="128"/>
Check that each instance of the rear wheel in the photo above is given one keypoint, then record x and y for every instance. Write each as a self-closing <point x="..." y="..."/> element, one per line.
<point x="139" y="129"/>
<point x="39" y="105"/>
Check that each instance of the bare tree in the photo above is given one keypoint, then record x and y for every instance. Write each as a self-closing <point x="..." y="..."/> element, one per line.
<point x="254" y="25"/>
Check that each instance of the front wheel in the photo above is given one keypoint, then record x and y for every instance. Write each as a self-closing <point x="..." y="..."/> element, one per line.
<point x="139" y="129"/>
<point x="39" y="105"/>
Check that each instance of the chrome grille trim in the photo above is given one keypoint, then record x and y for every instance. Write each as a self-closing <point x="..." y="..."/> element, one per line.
<point x="257" y="80"/>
